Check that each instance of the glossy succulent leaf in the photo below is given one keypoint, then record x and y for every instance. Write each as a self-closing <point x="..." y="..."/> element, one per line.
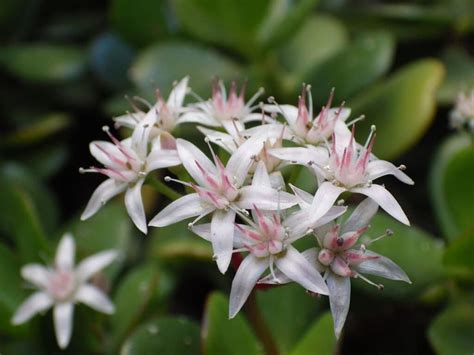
<point x="451" y="331"/>
<point x="140" y="22"/>
<point x="111" y="58"/>
<point x="110" y="228"/>
<point x="407" y="247"/>
<point x="451" y="185"/>
<point x="143" y="287"/>
<point x="319" y="338"/>
<point x="159" y="66"/>
<point x="459" y="74"/>
<point x="177" y="242"/>
<point x="223" y="336"/>
<point x="353" y="68"/>
<point x="402" y="107"/>
<point x="44" y="63"/>
<point x="167" y="336"/>
<point x="283" y="20"/>
<point x="458" y="256"/>
<point x="21" y="221"/>
<point x="227" y="23"/>
<point x="295" y="307"/>
<point x="319" y="38"/>
<point x="45" y="160"/>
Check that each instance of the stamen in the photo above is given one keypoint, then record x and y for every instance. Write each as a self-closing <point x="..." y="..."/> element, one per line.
<point x="388" y="233"/>
<point x="369" y="138"/>
<point x="379" y="286"/>
<point x="310" y="101"/>
<point x="143" y="101"/>
<point x="255" y="96"/>
<point x="131" y="103"/>
<point x="355" y="120"/>
<point x="169" y="178"/>
<point x="272" y="271"/>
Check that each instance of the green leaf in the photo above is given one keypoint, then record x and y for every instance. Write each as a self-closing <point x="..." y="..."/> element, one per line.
<point x="319" y="38"/>
<point x="451" y="180"/>
<point x="283" y="20"/>
<point x="353" y="68"/>
<point x="110" y="228"/>
<point x="140" y="288"/>
<point x="458" y="256"/>
<point x="21" y="220"/>
<point x="402" y="107"/>
<point x="287" y="310"/>
<point x="228" y="23"/>
<point x="451" y="332"/>
<point x="166" y="336"/>
<point x="44" y="63"/>
<point x="161" y="65"/>
<point x="42" y="197"/>
<point x="12" y="294"/>
<point x="141" y="21"/>
<point x="221" y="335"/>
<point x="459" y="74"/>
<point x="110" y="60"/>
<point x="415" y="251"/>
<point x="37" y="131"/>
<point x="177" y="242"/>
<point x="45" y="160"/>
<point x="319" y="339"/>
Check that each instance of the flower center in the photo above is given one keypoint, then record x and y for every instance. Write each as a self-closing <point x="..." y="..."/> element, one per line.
<point x="62" y="284"/>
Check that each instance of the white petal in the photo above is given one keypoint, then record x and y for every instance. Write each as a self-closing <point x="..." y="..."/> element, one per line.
<point x="198" y="117"/>
<point x="296" y="267"/>
<point x="222" y="237"/>
<point x="264" y="198"/>
<point x="339" y="300"/>
<point x="302" y="155"/>
<point x="223" y="140"/>
<point x="378" y="168"/>
<point x="324" y="199"/>
<point x="275" y="130"/>
<point x="162" y="158"/>
<point x="261" y="177"/>
<point x="245" y="279"/>
<point x="383" y="267"/>
<point x="343" y="137"/>
<point x="203" y="230"/>
<point x="242" y="159"/>
<point x="129" y="120"/>
<point x="361" y="216"/>
<point x="36" y="303"/>
<point x="332" y="214"/>
<point x="185" y="207"/>
<point x="104" y="192"/>
<point x="305" y="198"/>
<point x="65" y="253"/>
<point x="251" y="117"/>
<point x="103" y="151"/>
<point x="134" y="205"/>
<point x="94" y="298"/>
<point x="277" y="181"/>
<point x="385" y="200"/>
<point x="94" y="263"/>
<point x="141" y="133"/>
<point x="176" y="98"/>
<point x="289" y="112"/>
<point x="37" y="274"/>
<point x="189" y="155"/>
<point x="63" y="317"/>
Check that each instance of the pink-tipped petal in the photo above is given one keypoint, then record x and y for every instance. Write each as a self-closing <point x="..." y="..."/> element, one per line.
<point x="222" y="237"/>
<point x="296" y="267"/>
<point x="185" y="207"/>
<point x="103" y="193"/>
<point x="244" y="281"/>
<point x="385" y="200"/>
<point x="134" y="205"/>
<point x="339" y="300"/>
<point x="177" y="95"/>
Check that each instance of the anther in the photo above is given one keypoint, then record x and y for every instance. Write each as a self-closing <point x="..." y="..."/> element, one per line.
<point x="340" y="202"/>
<point x="402" y="167"/>
<point x="167" y="178"/>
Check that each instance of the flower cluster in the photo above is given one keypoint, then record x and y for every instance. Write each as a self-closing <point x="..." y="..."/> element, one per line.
<point x="246" y="204"/>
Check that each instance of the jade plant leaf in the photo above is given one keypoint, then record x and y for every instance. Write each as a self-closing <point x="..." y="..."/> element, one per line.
<point x="451" y="185"/>
<point x="159" y="66"/>
<point x="415" y="251"/>
<point x="402" y="107"/>
<point x="319" y="338"/>
<point x="223" y="336"/>
<point x="458" y="256"/>
<point x="295" y="307"/>
<point x="143" y="287"/>
<point x="167" y="336"/>
<point x="451" y="331"/>
<point x="353" y="68"/>
<point x="44" y="63"/>
<point x="228" y="23"/>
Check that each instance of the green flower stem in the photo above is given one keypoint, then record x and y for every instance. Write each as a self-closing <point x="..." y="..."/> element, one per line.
<point x="162" y="188"/>
<point x="259" y="325"/>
